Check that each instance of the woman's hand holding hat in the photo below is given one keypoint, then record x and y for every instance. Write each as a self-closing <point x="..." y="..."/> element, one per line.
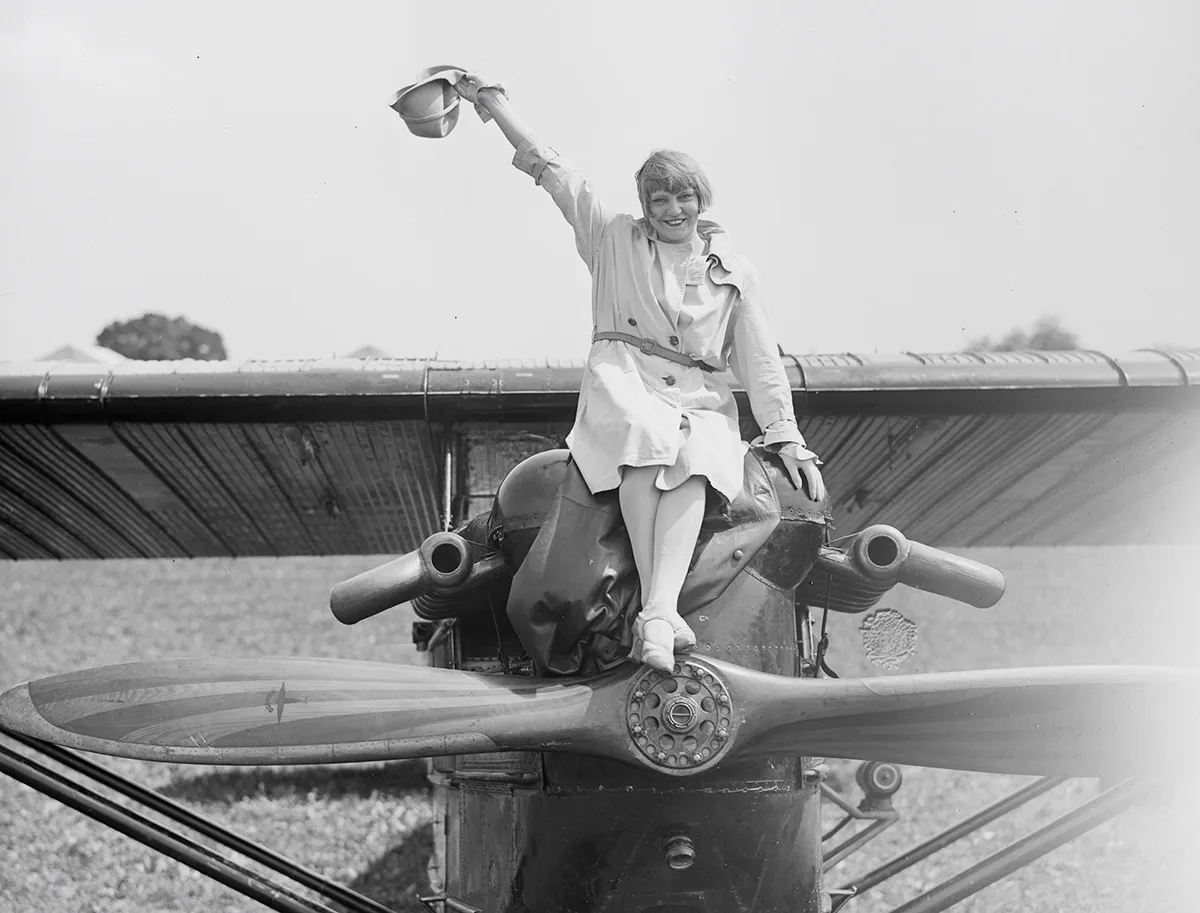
<point x="468" y="88"/>
<point x="430" y="105"/>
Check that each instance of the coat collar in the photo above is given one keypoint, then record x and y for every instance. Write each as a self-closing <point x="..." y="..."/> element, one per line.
<point x="717" y="248"/>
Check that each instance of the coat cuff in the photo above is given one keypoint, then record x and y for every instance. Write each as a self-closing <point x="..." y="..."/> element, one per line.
<point x="532" y="157"/>
<point x="784" y="431"/>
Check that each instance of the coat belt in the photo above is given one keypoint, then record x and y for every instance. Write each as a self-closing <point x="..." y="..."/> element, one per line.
<point x="650" y="347"/>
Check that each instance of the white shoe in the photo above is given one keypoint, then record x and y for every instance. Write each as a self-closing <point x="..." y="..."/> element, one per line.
<point x="653" y="633"/>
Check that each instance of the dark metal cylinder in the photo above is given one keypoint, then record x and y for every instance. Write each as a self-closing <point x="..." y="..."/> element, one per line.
<point x="881" y="556"/>
<point x="443" y="560"/>
<point x="680" y="852"/>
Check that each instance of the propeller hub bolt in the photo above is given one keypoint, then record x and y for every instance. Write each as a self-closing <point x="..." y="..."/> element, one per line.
<point x="680" y="714"/>
<point x="639" y="694"/>
<point x="637" y="728"/>
<point x="721" y="735"/>
<point x="697" y="757"/>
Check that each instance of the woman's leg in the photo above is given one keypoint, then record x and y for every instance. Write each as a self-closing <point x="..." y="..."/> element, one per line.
<point x="639" y="498"/>
<point x="676" y="529"/>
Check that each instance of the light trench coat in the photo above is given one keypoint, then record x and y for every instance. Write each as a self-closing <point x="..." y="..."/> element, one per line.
<point x="638" y="409"/>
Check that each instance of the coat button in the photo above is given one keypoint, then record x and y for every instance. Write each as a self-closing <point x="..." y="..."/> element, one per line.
<point x="670" y="379"/>
<point x="632" y="322"/>
<point x="674" y="340"/>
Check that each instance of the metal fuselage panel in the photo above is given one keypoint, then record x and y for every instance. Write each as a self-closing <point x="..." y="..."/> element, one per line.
<point x="585" y="850"/>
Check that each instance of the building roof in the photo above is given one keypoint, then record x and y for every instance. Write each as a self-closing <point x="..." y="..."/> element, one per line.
<point x="83" y="354"/>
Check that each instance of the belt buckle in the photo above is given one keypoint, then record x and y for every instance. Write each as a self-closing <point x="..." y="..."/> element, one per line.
<point x="647" y="346"/>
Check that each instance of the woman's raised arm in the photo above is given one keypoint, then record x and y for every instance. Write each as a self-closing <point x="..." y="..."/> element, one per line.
<point x="570" y="191"/>
<point x="490" y="97"/>
<point x="515" y="130"/>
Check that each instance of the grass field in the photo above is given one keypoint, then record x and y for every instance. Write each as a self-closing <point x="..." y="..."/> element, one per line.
<point x="370" y="825"/>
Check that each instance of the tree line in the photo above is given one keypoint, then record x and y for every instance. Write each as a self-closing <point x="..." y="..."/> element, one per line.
<point x="156" y="337"/>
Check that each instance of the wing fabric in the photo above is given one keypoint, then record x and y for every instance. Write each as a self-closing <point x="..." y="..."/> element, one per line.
<point x="340" y="454"/>
<point x="1070" y="721"/>
<point x="302" y="711"/>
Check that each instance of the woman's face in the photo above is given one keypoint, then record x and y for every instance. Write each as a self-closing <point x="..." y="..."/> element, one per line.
<point x="674" y="215"/>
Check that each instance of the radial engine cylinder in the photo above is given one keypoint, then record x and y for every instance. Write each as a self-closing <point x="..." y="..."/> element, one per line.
<point x="881" y="556"/>
<point x="444" y="560"/>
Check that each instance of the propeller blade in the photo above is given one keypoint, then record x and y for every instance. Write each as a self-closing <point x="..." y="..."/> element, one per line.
<point x="1064" y="721"/>
<point x="311" y="711"/>
<point x="1070" y="721"/>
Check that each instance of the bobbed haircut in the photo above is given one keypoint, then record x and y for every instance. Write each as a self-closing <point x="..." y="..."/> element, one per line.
<point x="666" y="169"/>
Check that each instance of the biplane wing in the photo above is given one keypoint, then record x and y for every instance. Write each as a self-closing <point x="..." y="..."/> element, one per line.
<point x="192" y="459"/>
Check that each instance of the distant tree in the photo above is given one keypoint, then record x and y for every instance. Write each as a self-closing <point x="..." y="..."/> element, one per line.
<point x="156" y="337"/>
<point x="1047" y="335"/>
<point x="1164" y="347"/>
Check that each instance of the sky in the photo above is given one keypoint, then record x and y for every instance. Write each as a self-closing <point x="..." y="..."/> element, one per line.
<point x="905" y="176"/>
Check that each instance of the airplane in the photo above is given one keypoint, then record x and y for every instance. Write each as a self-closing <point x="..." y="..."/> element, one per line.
<point x="602" y="789"/>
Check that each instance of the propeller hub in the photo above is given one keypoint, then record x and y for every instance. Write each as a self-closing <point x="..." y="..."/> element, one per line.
<point x="680" y="714"/>
<point x="679" y="722"/>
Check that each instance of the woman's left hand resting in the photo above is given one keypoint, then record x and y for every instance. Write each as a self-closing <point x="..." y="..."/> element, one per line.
<point x="797" y="467"/>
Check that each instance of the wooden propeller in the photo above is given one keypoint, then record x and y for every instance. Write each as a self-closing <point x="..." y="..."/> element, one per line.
<point x="305" y="711"/>
<point x="1082" y="721"/>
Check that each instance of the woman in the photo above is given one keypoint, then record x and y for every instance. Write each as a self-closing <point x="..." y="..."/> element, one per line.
<point x="671" y="305"/>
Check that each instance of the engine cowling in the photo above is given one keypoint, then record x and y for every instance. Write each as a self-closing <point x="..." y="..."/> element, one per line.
<point x="524" y="499"/>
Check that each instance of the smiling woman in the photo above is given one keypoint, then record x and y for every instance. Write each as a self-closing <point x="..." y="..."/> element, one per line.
<point x="674" y="191"/>
<point x="673" y="306"/>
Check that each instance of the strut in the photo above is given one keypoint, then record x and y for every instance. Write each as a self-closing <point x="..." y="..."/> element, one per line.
<point x="1067" y="827"/>
<point x="195" y="855"/>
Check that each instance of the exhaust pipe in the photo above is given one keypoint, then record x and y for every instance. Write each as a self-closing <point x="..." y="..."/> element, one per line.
<point x="882" y="556"/>
<point x="443" y="561"/>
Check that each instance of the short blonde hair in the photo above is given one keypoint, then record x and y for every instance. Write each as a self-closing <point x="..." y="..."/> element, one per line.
<point x="674" y="172"/>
